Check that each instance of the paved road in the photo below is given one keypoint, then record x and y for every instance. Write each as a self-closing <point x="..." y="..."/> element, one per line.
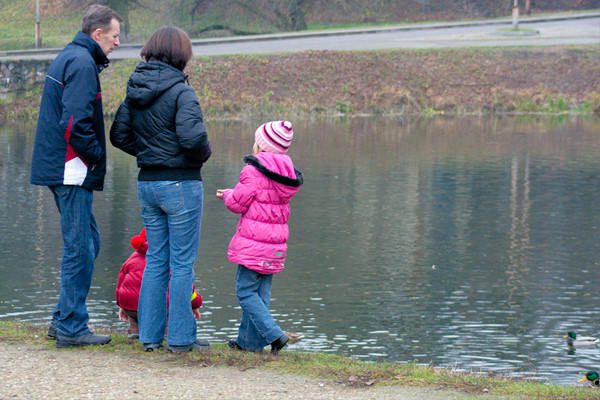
<point x="556" y="30"/>
<point x="580" y="31"/>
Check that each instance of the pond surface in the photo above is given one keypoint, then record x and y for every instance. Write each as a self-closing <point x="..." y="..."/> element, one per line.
<point x="466" y="243"/>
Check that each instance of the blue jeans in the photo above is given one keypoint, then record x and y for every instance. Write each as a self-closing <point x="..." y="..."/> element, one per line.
<point x="257" y="327"/>
<point x="172" y="211"/>
<point x="81" y="245"/>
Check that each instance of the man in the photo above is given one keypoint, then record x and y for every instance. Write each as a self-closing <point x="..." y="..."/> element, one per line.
<point x="69" y="157"/>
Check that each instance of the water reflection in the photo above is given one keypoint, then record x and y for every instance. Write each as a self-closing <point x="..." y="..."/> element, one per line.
<point x="469" y="243"/>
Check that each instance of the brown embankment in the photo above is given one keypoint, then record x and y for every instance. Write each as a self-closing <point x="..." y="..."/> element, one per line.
<point x="461" y="81"/>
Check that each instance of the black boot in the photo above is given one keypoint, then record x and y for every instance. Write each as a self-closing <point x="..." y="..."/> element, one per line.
<point x="233" y="345"/>
<point x="279" y="344"/>
<point x="150" y="347"/>
<point x="51" y="331"/>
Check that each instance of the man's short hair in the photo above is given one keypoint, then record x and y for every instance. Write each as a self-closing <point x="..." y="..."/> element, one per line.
<point x="98" y="16"/>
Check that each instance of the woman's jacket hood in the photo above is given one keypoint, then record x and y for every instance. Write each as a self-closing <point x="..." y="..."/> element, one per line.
<point x="150" y="80"/>
<point x="160" y="123"/>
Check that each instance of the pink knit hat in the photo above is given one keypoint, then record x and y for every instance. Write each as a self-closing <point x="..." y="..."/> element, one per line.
<point x="274" y="136"/>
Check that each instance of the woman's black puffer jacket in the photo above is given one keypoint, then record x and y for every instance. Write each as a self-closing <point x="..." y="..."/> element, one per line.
<point x="161" y="124"/>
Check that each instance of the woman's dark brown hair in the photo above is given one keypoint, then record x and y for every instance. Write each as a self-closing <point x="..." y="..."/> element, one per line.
<point x="170" y="45"/>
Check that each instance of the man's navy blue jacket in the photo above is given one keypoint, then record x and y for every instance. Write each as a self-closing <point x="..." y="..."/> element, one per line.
<point x="70" y="146"/>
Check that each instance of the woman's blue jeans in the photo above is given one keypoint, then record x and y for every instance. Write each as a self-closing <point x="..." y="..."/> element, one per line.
<point x="257" y="327"/>
<point x="81" y="245"/>
<point x="172" y="211"/>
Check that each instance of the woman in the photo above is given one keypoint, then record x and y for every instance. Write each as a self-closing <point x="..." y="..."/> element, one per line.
<point x="160" y="123"/>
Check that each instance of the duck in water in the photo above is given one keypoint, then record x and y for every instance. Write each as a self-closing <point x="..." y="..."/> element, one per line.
<point x="592" y="377"/>
<point x="580" y="341"/>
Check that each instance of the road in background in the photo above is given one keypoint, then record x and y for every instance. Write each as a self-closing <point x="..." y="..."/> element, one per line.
<point x="568" y="29"/>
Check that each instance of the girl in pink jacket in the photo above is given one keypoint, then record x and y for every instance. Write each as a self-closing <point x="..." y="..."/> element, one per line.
<point x="259" y="246"/>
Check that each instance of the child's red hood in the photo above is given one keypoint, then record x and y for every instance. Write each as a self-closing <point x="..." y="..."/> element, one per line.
<point x="139" y="242"/>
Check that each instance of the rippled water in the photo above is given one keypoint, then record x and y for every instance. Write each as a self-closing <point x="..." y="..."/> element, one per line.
<point x="466" y="243"/>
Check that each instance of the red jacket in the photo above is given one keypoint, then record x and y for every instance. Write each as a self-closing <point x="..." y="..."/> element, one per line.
<point x="130" y="276"/>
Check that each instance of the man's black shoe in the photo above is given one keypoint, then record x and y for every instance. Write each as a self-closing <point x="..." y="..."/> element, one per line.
<point x="86" y="340"/>
<point x="279" y="344"/>
<point x="199" y="345"/>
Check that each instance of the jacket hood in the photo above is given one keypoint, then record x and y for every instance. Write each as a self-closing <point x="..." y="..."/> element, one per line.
<point x="150" y="80"/>
<point x="278" y="168"/>
<point x="85" y="40"/>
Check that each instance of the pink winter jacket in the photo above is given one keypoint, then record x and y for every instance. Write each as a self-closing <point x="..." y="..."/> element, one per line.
<point x="267" y="184"/>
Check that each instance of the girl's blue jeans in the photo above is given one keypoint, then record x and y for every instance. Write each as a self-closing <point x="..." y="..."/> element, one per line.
<point x="172" y="211"/>
<point x="81" y="245"/>
<point x="257" y="327"/>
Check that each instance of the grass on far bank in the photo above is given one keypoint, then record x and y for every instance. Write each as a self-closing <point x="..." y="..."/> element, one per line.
<point x="18" y="26"/>
<point x="554" y="81"/>
<point x="339" y="369"/>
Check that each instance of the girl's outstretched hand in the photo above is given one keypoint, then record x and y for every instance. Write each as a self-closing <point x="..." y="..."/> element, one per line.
<point x="220" y="193"/>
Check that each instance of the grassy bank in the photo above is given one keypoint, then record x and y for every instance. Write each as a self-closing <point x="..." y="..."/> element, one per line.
<point x="59" y="24"/>
<point x="553" y="80"/>
<point x="331" y="367"/>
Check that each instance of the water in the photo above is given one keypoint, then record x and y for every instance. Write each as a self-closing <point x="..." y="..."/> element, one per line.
<point x="465" y="243"/>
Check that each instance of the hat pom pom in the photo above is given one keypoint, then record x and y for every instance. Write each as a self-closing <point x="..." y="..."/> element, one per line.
<point x="138" y="241"/>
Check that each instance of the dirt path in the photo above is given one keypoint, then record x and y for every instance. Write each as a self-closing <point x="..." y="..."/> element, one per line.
<point x="41" y="372"/>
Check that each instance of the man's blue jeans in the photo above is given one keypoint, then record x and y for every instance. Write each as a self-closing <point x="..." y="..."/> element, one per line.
<point x="257" y="327"/>
<point x="172" y="211"/>
<point x="81" y="245"/>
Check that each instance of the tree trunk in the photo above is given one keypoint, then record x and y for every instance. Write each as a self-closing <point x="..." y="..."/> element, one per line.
<point x="197" y="6"/>
<point x="122" y="8"/>
<point x="426" y="6"/>
<point x="296" y="14"/>
<point x="297" y="11"/>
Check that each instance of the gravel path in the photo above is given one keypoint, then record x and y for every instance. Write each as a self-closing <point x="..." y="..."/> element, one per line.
<point x="40" y="372"/>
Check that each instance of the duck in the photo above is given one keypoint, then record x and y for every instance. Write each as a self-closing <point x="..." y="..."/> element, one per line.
<point x="580" y="341"/>
<point x="593" y="377"/>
